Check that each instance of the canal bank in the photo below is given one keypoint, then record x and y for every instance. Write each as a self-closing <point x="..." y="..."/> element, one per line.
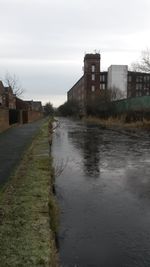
<point x="103" y="193"/>
<point x="28" y="210"/>
<point x="119" y="123"/>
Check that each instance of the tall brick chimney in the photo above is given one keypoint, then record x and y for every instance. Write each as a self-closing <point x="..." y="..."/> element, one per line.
<point x="92" y="75"/>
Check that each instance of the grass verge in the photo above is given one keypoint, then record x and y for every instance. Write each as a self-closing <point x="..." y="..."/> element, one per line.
<point x="28" y="210"/>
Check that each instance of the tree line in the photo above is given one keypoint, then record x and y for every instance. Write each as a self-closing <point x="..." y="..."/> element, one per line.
<point x="95" y="106"/>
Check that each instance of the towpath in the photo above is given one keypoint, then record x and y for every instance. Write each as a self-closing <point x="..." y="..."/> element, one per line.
<point x="13" y="143"/>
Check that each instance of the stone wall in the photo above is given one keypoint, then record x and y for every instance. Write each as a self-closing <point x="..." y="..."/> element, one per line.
<point x="4" y="119"/>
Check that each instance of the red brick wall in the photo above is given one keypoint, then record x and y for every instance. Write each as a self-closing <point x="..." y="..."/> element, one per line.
<point x="34" y="115"/>
<point x="89" y="61"/>
<point x="4" y="119"/>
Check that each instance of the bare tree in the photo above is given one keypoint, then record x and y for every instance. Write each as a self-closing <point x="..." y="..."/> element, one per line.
<point x="116" y="94"/>
<point x="143" y="65"/>
<point x="13" y="82"/>
<point x="48" y="109"/>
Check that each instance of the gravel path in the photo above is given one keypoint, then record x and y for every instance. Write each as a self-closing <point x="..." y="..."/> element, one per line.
<point x="13" y="143"/>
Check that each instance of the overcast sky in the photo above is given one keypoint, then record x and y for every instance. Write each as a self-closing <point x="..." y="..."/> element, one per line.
<point x="43" y="42"/>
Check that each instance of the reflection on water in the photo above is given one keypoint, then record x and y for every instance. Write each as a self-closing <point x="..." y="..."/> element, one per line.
<point x="104" y="196"/>
<point x="88" y="141"/>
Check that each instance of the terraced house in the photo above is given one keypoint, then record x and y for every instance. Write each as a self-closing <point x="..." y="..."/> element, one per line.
<point x="7" y="97"/>
<point x="15" y="110"/>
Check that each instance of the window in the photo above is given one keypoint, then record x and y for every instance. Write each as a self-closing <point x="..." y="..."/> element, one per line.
<point x="130" y="78"/>
<point x="93" y="88"/>
<point x="93" y="77"/>
<point x="139" y="79"/>
<point x="102" y="78"/>
<point x="138" y="86"/>
<point x="138" y="93"/>
<point x="129" y="87"/>
<point x="93" y="68"/>
<point x="129" y="93"/>
<point x="102" y="86"/>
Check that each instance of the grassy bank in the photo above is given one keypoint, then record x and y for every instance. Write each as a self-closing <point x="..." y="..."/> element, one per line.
<point x="28" y="210"/>
<point x="117" y="122"/>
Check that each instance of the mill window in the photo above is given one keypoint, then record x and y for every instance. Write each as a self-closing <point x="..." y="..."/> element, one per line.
<point x="93" y="77"/>
<point x="93" y="68"/>
<point x="93" y="88"/>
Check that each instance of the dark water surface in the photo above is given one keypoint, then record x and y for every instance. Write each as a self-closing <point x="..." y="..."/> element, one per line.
<point x="104" y="196"/>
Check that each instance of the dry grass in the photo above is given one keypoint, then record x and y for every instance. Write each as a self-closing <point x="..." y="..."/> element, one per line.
<point x="118" y="122"/>
<point x="28" y="211"/>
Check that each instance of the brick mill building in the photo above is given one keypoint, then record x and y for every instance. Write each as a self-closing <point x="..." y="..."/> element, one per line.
<point x="94" y="82"/>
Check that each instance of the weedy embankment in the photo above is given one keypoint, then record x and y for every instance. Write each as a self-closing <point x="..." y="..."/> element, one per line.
<point x="28" y="210"/>
<point x="118" y="122"/>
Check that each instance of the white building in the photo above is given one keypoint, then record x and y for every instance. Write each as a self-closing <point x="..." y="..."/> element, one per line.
<point x="117" y="77"/>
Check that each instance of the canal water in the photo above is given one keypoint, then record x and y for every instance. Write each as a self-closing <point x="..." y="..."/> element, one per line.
<point x="103" y="190"/>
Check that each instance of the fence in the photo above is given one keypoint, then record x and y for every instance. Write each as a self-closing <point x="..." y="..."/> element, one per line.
<point x="134" y="109"/>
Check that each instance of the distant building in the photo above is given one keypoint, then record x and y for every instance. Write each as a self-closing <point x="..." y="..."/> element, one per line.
<point x="15" y="110"/>
<point x="34" y="105"/>
<point x="118" y="78"/>
<point x="37" y="106"/>
<point x="21" y="104"/>
<point x="90" y="84"/>
<point x="138" y="84"/>
<point x="7" y="97"/>
<point x="10" y="98"/>
<point x="93" y="81"/>
<point x="2" y="94"/>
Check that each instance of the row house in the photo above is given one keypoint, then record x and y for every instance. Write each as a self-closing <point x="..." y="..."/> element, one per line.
<point x="7" y="97"/>
<point x="2" y="99"/>
<point x="15" y="110"/>
<point x="9" y="100"/>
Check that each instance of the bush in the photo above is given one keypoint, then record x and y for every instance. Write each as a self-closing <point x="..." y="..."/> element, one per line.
<point x="70" y="108"/>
